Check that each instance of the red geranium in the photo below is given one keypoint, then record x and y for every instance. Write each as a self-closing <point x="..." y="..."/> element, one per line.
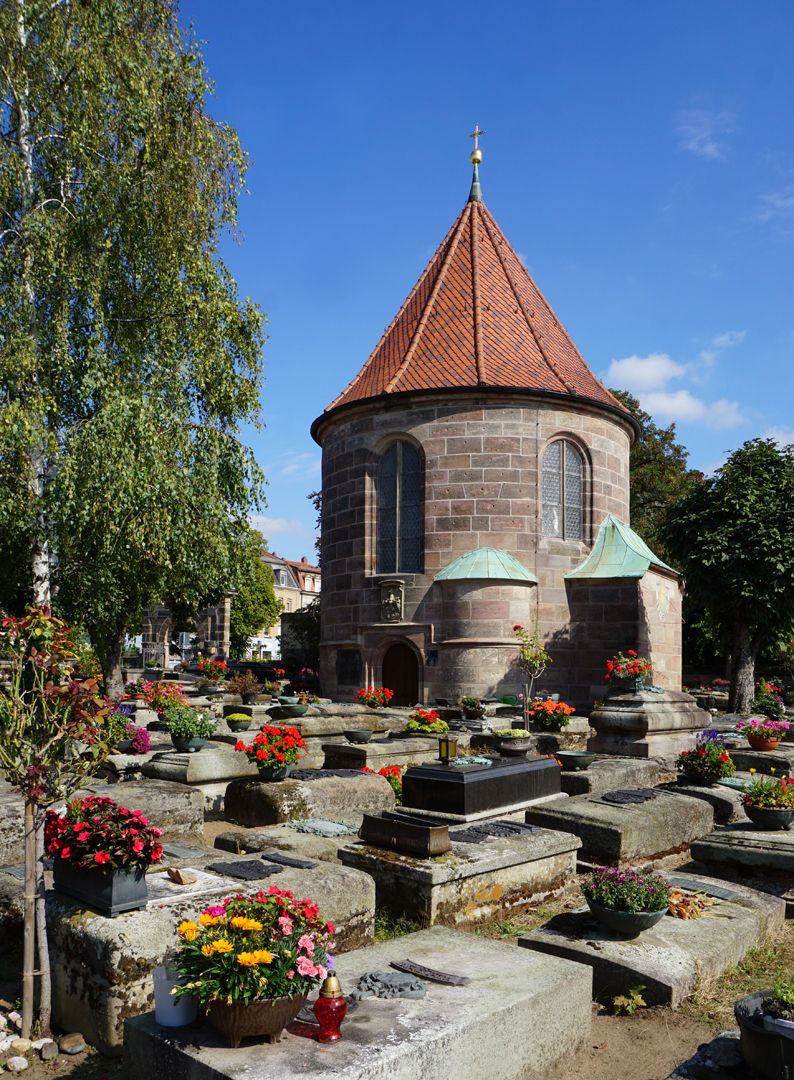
<point x="273" y="747"/>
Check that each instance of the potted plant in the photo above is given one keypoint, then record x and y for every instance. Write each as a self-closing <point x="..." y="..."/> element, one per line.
<point x="769" y="801"/>
<point x="426" y="722"/>
<point x="100" y="853"/>
<point x="136" y="740"/>
<point x="274" y="751"/>
<point x="768" y="700"/>
<point x="189" y="729"/>
<point x="766" y="1024"/>
<point x="628" y="672"/>
<point x="626" y="901"/>
<point x="708" y="762"/>
<point x="212" y="670"/>
<point x="159" y="696"/>
<point x="472" y="707"/>
<point x="763" y="734"/>
<point x="549" y="715"/>
<point x="513" y="742"/>
<point x="251" y="962"/>
<point x="394" y="775"/>
<point x="239" y="721"/>
<point x="377" y="697"/>
<point x="246" y="684"/>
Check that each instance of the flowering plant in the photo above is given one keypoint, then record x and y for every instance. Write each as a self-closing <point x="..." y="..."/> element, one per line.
<point x="628" y="666"/>
<point x="273" y="747"/>
<point x="720" y="684"/>
<point x="626" y="890"/>
<point x="244" y="682"/>
<point x="767" y="700"/>
<point x="134" y="688"/>
<point x="252" y="948"/>
<point x="771" y="729"/>
<point x="139" y="738"/>
<point x="393" y="774"/>
<point x="709" y="760"/>
<point x="213" y="670"/>
<point x="532" y="657"/>
<point x="183" y="722"/>
<point x="769" y="792"/>
<point x="426" y="721"/>
<point x="375" y="695"/>
<point x="96" y="833"/>
<point x="279" y="672"/>
<point x="549" y="715"/>
<point x="158" y="695"/>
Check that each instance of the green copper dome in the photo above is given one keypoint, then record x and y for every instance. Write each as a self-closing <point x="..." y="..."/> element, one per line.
<point x="617" y="553"/>
<point x="486" y="563"/>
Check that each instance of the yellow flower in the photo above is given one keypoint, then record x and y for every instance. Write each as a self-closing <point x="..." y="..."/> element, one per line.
<point x="258" y="956"/>
<point x="239" y="922"/>
<point x="752" y="771"/>
<point x="208" y="920"/>
<point x="207" y="950"/>
<point x="219" y="946"/>
<point x="188" y="930"/>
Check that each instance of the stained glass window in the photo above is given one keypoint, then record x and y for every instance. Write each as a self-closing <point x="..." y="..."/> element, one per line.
<point x="400" y="493"/>
<point x="562" y="491"/>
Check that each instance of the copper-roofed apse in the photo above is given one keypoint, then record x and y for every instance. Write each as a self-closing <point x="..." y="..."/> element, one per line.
<point x="475" y="319"/>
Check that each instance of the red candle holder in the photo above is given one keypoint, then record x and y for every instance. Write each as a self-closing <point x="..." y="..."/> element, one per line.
<point x="330" y="1008"/>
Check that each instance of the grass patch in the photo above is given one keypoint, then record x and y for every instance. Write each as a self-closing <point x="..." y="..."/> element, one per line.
<point x="388" y="927"/>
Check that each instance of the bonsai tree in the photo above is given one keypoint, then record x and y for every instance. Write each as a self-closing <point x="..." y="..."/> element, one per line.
<point x="55" y="732"/>
<point x="733" y="536"/>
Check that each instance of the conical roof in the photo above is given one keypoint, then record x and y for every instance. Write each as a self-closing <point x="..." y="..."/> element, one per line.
<point x="618" y="552"/>
<point x="485" y="562"/>
<point x="475" y="319"/>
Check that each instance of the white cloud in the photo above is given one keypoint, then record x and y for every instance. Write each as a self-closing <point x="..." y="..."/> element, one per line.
<point x="641" y="373"/>
<point x="709" y="356"/>
<point x="275" y="526"/>
<point x="777" y="208"/>
<point x="682" y="405"/>
<point x="702" y="132"/>
<point x="784" y="436"/>
<point x="300" y="465"/>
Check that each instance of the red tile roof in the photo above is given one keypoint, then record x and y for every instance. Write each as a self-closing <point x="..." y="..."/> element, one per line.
<point x="475" y="318"/>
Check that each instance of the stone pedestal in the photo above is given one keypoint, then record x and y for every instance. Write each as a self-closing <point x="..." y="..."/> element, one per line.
<point x="619" y="835"/>
<point x="374" y="755"/>
<point x="474" y="882"/>
<point x="647" y="724"/>
<point x="209" y="771"/>
<point x="257" y="802"/>
<point x="454" y="1031"/>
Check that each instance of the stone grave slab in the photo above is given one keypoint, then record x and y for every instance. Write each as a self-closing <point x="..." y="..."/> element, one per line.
<point x="726" y="801"/>
<point x="673" y="958"/>
<point x="376" y="754"/>
<point x="102" y="968"/>
<point x="765" y="761"/>
<point x="256" y="802"/>
<point x="208" y="771"/>
<point x="282" y="838"/>
<point x="647" y="723"/>
<point x="475" y="881"/>
<point x="743" y="847"/>
<point x="454" y="1031"/>
<point x="615" y="834"/>
<point x="463" y="793"/>
<point x="610" y="773"/>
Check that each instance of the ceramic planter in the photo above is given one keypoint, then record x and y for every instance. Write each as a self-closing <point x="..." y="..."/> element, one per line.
<point x="575" y="760"/>
<point x="288" y="700"/>
<point x="124" y="747"/>
<point x="263" y="1019"/>
<point x="271" y="773"/>
<point x="629" y="923"/>
<point x="769" y="1053"/>
<point x="514" y="747"/>
<point x="239" y="725"/>
<point x="287" y="712"/>
<point x="627" y="686"/>
<point x="250" y="699"/>
<point x="695" y="779"/>
<point x="358" y="735"/>
<point x="185" y="744"/>
<point x="766" y="817"/>
<point x="109" y="892"/>
<point x="763" y="742"/>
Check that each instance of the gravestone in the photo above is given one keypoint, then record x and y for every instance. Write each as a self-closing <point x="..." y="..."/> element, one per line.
<point x="610" y="773"/>
<point x="780" y="761"/>
<point x="646" y="724"/>
<point x="743" y="848"/>
<point x="459" y="793"/>
<point x="254" y="802"/>
<point x="208" y="771"/>
<point x="380" y="752"/>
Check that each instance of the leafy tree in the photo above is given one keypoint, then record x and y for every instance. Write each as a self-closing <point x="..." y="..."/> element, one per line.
<point x="128" y="362"/>
<point x="733" y="534"/>
<point x="659" y="475"/>
<point x="316" y="499"/>
<point x="255" y="606"/>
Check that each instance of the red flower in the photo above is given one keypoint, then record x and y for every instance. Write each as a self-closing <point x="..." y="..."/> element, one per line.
<point x="102" y="857"/>
<point x="518" y="626"/>
<point x="725" y="757"/>
<point x="630" y="652"/>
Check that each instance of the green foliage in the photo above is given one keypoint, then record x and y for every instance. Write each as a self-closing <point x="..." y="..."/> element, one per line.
<point x="185" y="723"/>
<point x="255" y="606"/>
<point x="659" y="476"/>
<point x="629" y="1003"/>
<point x="768" y="703"/>
<point x="784" y="991"/>
<point x="128" y="362"/>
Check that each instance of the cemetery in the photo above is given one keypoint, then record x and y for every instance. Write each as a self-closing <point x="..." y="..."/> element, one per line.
<point x="511" y="796"/>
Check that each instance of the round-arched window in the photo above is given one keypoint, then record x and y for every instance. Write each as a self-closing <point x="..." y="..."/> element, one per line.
<point x="400" y="517"/>
<point x="562" y="490"/>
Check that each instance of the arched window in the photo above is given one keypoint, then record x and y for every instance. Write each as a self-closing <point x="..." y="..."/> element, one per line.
<point x="400" y="491"/>
<point x="563" y="490"/>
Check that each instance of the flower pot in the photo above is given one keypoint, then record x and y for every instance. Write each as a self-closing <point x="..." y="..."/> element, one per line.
<point x="250" y="699"/>
<point x="287" y="712"/>
<point x="186" y="744"/>
<point x="514" y="747"/>
<point x="781" y="1027"/>
<point x="695" y="779"/>
<point x="288" y="700"/>
<point x="263" y="1019"/>
<point x="767" y="817"/>
<point x="629" y="923"/>
<point x="763" y="742"/>
<point x="168" y="1010"/>
<point x="108" y="892"/>
<point x="358" y="735"/>
<point x="767" y="1052"/>
<point x="271" y="773"/>
<point x="239" y="725"/>
<point x="627" y="686"/>
<point x="124" y="747"/>
<point x="575" y="760"/>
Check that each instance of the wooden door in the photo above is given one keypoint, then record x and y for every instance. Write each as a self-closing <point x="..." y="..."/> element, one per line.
<point x="401" y="674"/>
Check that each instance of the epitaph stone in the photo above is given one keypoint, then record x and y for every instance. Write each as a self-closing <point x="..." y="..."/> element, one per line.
<point x="469" y="792"/>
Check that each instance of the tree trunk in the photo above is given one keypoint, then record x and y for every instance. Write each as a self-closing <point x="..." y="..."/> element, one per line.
<point x="111" y="666"/>
<point x="29" y="916"/>
<point x="742" y="670"/>
<point x="42" y="944"/>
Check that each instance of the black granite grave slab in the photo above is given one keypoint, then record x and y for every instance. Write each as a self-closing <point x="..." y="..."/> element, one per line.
<point x="463" y="790"/>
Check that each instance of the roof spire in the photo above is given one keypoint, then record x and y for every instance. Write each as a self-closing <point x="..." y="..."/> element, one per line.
<point x="475" y="195"/>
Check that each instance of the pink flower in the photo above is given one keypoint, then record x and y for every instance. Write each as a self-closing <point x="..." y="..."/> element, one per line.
<point x="321" y="971"/>
<point x="216" y="912"/>
<point x="102" y="857"/>
<point x="305" y="942"/>
<point x="83" y="836"/>
<point x="290" y="974"/>
<point x="285" y="924"/>
<point x="138" y="846"/>
<point x="306" y="966"/>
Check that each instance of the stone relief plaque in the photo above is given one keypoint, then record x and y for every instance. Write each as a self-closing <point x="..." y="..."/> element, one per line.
<point x="664" y="597"/>
<point x="391" y="601"/>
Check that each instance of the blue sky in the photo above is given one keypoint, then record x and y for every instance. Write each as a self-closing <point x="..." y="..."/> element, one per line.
<point x="639" y="157"/>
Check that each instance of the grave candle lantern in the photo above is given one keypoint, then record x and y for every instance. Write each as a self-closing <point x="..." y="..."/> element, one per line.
<point x="447" y="748"/>
<point x="330" y="1008"/>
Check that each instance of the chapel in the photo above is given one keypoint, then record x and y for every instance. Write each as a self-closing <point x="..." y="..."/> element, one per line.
<point x="475" y="477"/>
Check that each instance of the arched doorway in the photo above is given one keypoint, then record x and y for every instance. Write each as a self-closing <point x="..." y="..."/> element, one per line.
<point x="401" y="674"/>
